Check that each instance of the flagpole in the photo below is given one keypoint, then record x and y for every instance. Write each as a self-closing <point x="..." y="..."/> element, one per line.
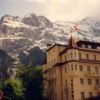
<point x="71" y="34"/>
<point x="76" y="30"/>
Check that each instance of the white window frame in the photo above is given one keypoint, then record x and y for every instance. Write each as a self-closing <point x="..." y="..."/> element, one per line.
<point x="89" y="46"/>
<point x="83" y="45"/>
<point x="98" y="47"/>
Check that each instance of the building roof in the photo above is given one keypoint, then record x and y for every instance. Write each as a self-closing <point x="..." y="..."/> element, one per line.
<point x="76" y="45"/>
<point x="56" y="45"/>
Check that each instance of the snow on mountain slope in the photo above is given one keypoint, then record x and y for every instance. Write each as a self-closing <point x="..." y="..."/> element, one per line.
<point x="21" y="34"/>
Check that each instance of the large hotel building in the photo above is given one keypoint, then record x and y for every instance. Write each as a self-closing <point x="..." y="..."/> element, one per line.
<point x="72" y="72"/>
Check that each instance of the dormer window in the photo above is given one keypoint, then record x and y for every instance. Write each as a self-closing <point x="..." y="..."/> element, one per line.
<point x="83" y="45"/>
<point x="89" y="46"/>
<point x="98" y="47"/>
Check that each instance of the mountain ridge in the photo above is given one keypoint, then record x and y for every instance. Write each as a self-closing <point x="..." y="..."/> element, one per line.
<point x="22" y="34"/>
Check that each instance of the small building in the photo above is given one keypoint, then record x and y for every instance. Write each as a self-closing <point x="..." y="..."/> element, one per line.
<point x="72" y="71"/>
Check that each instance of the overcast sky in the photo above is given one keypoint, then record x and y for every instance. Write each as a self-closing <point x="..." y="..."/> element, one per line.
<point x="64" y="10"/>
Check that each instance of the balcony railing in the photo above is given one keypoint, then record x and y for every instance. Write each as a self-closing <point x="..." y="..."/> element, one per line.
<point x="91" y="74"/>
<point x="51" y="78"/>
<point x="74" y="73"/>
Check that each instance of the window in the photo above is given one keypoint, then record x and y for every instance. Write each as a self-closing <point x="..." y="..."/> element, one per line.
<point x="71" y="54"/>
<point x="72" y="67"/>
<point x="94" y="57"/>
<point x="52" y="84"/>
<point x="88" y="69"/>
<point x="98" y="93"/>
<point x="75" y="54"/>
<point x="75" y="66"/>
<point x="98" y="47"/>
<point x="82" y="96"/>
<point x="81" y="68"/>
<point x="55" y="96"/>
<point x="52" y="72"/>
<point x="96" y="70"/>
<point x="49" y="73"/>
<point x="65" y="69"/>
<point x="54" y="61"/>
<point x="79" y="55"/>
<point x="55" y="83"/>
<point x="97" y="81"/>
<point x="90" y="94"/>
<point x="89" y="81"/>
<point x="72" y="91"/>
<point x="65" y="82"/>
<point x="71" y="85"/>
<point x="81" y="81"/>
<point x="55" y="72"/>
<point x="87" y="56"/>
<point x="49" y="64"/>
<point x="83" y="45"/>
<point x="69" y="67"/>
<point x="49" y="84"/>
<point x="72" y="96"/>
<point x="68" y="55"/>
<point x="89" y="46"/>
<point x="72" y="80"/>
<point x="65" y="58"/>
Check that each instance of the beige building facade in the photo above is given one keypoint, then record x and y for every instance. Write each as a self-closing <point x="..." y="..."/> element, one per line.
<point x="72" y="71"/>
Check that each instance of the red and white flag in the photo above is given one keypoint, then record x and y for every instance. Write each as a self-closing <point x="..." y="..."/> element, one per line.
<point x="75" y="28"/>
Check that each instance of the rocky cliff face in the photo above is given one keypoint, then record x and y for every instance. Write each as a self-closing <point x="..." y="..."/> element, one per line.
<point x="22" y="34"/>
<point x="5" y="63"/>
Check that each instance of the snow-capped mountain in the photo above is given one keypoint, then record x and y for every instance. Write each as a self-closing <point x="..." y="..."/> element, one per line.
<point x="21" y="34"/>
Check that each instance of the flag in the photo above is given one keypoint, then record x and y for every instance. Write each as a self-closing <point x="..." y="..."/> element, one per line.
<point x="75" y="28"/>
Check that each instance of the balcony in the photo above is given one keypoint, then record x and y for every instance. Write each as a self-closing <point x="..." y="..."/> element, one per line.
<point x="97" y="87"/>
<point x="74" y="73"/>
<point x="92" y="74"/>
<point x="51" y="79"/>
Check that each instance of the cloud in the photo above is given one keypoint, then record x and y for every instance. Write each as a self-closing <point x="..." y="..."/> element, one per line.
<point x="69" y="9"/>
<point x="53" y="9"/>
<point x="38" y="1"/>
